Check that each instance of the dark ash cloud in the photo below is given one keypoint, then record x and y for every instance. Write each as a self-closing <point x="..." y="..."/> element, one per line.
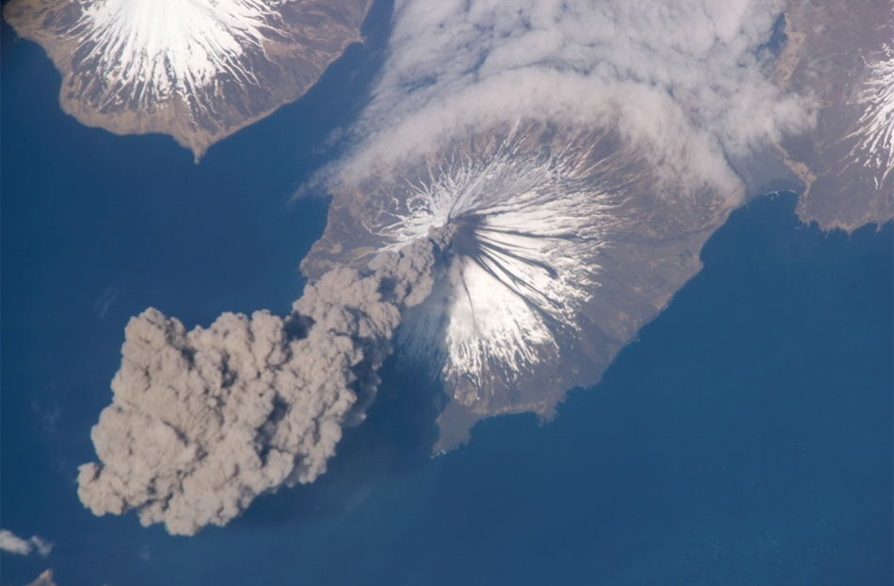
<point x="203" y="421"/>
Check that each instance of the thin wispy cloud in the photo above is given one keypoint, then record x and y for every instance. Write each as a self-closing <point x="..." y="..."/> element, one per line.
<point x="12" y="543"/>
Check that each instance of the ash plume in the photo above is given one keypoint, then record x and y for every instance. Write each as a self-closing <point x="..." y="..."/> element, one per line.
<point x="203" y="421"/>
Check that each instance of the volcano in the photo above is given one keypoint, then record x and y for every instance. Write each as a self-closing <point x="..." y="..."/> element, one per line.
<point x="556" y="244"/>
<point x="198" y="70"/>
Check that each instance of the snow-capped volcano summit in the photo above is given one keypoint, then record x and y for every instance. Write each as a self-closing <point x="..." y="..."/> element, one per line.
<point x="522" y="234"/>
<point x="153" y="49"/>
<point x="196" y="69"/>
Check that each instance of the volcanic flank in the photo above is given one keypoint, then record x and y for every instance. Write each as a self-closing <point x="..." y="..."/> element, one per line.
<point x="557" y="244"/>
<point x="844" y="53"/>
<point x="198" y="70"/>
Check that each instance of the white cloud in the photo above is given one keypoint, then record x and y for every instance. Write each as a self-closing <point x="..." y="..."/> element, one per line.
<point x="687" y="79"/>
<point x="12" y="543"/>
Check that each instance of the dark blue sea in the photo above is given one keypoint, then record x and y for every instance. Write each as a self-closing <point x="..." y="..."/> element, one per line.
<point x="744" y="439"/>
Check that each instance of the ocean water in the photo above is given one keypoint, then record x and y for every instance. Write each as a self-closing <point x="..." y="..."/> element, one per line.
<point x="745" y="438"/>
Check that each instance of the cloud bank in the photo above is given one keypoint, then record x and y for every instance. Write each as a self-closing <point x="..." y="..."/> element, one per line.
<point x="689" y="80"/>
<point x="203" y="421"/>
<point x="12" y="543"/>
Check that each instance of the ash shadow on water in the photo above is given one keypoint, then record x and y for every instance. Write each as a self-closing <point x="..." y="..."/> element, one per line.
<point x="394" y="440"/>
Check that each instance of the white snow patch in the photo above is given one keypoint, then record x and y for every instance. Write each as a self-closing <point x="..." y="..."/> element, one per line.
<point x="152" y="49"/>
<point x="875" y="128"/>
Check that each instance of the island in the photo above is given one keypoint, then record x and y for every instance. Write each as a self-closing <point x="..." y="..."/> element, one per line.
<point x="555" y="245"/>
<point x="198" y="71"/>
<point x="563" y="240"/>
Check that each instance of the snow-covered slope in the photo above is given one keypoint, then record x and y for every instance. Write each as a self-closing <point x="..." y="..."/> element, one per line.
<point x="149" y="50"/>
<point x="522" y="233"/>
<point x="875" y="128"/>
